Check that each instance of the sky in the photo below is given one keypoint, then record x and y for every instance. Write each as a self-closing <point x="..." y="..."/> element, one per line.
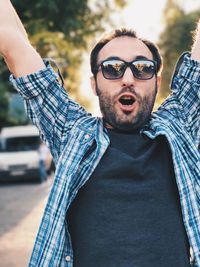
<point x="145" y="16"/>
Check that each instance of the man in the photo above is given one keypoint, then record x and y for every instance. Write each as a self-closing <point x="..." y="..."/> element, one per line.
<point x="127" y="186"/>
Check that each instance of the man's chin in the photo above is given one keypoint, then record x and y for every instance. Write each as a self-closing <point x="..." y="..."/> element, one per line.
<point x="126" y="122"/>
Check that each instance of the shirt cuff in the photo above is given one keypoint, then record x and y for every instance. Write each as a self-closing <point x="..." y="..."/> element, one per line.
<point x="31" y="85"/>
<point x="188" y="68"/>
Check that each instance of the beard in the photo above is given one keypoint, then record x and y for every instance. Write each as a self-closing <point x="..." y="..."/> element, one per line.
<point x="125" y="121"/>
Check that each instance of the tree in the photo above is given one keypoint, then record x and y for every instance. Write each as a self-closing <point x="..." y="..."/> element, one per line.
<point x="62" y="30"/>
<point x="175" y="39"/>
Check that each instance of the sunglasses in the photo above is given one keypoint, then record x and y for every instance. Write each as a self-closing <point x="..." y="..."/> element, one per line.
<point x="113" y="69"/>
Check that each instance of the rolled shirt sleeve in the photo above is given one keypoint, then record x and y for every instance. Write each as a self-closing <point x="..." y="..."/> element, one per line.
<point x="31" y="85"/>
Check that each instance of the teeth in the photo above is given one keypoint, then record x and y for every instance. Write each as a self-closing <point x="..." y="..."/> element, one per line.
<point x="127" y="97"/>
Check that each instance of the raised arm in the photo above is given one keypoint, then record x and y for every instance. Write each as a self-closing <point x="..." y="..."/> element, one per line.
<point x="184" y="102"/>
<point x="20" y="57"/>
<point x="47" y="103"/>
<point x="195" y="53"/>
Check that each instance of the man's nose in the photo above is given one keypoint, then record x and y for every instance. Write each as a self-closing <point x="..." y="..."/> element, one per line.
<point x="128" y="79"/>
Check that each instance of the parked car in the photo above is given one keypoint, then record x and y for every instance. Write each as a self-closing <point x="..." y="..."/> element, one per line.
<point x="19" y="154"/>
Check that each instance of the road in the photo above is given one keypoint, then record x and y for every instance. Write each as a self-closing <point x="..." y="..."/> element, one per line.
<point x="21" y="208"/>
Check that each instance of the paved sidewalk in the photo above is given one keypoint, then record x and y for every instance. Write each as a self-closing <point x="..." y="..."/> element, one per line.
<point x="17" y="239"/>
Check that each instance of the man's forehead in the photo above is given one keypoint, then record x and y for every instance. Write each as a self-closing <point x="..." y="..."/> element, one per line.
<point x="125" y="47"/>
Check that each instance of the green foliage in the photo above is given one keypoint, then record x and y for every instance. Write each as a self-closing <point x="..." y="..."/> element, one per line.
<point x="174" y="40"/>
<point x="55" y="46"/>
<point x="60" y="30"/>
<point x="77" y="19"/>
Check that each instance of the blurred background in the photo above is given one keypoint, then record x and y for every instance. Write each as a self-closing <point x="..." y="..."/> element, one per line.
<point x="66" y="31"/>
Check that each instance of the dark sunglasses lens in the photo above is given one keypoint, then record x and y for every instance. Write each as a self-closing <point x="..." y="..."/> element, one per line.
<point x="113" y="69"/>
<point x="143" y="69"/>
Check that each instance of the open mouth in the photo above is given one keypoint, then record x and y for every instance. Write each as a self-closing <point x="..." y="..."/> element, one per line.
<point x="127" y="102"/>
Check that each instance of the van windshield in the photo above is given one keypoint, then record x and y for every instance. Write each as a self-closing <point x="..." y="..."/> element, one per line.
<point x="25" y="143"/>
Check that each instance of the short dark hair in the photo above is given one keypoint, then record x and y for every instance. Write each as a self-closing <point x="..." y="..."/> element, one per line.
<point x="120" y="33"/>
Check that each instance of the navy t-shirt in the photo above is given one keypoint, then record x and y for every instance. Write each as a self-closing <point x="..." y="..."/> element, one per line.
<point x="128" y="213"/>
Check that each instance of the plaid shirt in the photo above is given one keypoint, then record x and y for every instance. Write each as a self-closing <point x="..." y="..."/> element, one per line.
<point x="78" y="141"/>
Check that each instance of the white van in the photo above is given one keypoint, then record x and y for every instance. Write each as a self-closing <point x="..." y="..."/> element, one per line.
<point x="19" y="154"/>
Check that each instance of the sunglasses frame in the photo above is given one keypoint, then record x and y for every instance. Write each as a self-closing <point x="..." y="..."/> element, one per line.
<point x="127" y="64"/>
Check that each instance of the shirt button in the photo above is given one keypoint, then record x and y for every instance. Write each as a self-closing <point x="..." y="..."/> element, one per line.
<point x="67" y="258"/>
<point x="87" y="136"/>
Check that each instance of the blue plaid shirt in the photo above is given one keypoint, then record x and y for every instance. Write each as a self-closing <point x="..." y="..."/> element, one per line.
<point x="78" y="141"/>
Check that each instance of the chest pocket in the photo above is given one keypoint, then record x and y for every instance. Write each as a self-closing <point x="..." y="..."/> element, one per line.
<point x="86" y="144"/>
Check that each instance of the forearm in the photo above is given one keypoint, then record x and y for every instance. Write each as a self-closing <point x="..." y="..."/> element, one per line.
<point x="23" y="59"/>
<point x="195" y="52"/>
<point x="20" y="57"/>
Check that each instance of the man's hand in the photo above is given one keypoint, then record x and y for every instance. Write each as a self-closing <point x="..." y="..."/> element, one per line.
<point x="20" y="57"/>
<point x="195" y="53"/>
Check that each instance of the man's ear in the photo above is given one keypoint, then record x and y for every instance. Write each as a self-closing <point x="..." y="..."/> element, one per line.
<point x="93" y="84"/>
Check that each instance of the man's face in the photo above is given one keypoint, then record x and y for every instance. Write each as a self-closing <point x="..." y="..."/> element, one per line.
<point x="113" y="94"/>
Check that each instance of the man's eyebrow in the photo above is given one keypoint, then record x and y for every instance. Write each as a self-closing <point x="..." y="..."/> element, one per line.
<point x="111" y="58"/>
<point x="141" y="57"/>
